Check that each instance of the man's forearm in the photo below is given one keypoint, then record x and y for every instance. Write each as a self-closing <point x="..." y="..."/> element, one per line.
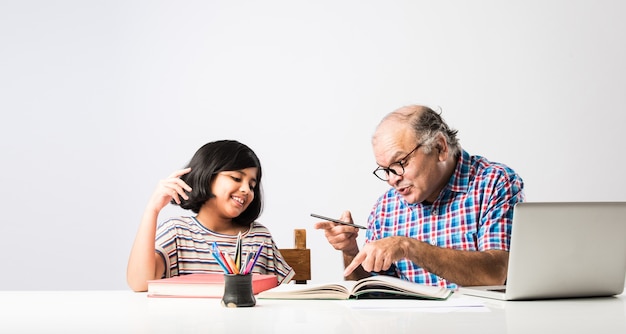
<point x="461" y="267"/>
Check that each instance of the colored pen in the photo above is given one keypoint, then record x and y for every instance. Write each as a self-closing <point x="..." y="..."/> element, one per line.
<point x="231" y="263"/>
<point x="219" y="262"/>
<point x="244" y="265"/>
<point x="238" y="253"/>
<point x="215" y="252"/>
<point x="250" y="263"/>
<point x="255" y="259"/>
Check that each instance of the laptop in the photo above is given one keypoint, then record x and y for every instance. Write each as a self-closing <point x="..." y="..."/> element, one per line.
<point x="563" y="250"/>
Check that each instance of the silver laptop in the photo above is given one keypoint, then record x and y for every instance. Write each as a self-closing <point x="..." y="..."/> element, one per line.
<point x="563" y="250"/>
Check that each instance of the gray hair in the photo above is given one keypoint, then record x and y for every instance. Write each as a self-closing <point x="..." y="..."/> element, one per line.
<point x="427" y="124"/>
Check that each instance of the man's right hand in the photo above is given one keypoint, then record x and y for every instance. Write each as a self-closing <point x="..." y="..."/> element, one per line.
<point x="341" y="237"/>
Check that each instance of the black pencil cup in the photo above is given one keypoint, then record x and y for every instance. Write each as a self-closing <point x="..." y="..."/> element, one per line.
<point x="238" y="291"/>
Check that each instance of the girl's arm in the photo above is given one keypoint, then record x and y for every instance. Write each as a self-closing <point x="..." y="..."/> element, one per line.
<point x="144" y="263"/>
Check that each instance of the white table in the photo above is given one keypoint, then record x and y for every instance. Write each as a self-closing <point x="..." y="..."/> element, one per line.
<point x="129" y="312"/>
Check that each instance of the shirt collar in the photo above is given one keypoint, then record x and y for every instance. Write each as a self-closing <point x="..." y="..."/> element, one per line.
<point x="460" y="180"/>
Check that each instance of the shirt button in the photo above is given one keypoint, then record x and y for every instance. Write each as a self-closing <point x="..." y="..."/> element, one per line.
<point x="433" y="242"/>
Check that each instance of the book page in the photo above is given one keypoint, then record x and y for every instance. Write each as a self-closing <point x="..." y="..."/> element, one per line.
<point x="338" y="290"/>
<point x="371" y="287"/>
<point x="389" y="286"/>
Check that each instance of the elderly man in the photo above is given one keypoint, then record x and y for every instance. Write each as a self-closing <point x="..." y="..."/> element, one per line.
<point x="445" y="221"/>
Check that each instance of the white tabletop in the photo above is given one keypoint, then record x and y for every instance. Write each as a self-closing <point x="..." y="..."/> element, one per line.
<point x="129" y="312"/>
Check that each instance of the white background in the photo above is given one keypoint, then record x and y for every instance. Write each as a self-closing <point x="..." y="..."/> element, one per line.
<point x="101" y="99"/>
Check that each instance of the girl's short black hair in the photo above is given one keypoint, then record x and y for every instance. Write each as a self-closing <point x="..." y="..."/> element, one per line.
<point x="215" y="157"/>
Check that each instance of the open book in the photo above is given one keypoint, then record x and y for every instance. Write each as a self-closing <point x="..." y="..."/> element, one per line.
<point x="371" y="287"/>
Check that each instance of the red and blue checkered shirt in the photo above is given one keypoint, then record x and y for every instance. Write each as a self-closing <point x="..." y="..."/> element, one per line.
<point x="474" y="212"/>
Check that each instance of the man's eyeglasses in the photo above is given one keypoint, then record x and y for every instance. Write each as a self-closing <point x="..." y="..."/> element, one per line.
<point x="396" y="168"/>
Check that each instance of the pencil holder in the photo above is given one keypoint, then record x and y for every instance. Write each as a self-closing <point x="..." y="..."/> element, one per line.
<point x="238" y="291"/>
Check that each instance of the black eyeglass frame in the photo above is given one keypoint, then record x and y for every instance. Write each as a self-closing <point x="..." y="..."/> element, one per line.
<point x="388" y="169"/>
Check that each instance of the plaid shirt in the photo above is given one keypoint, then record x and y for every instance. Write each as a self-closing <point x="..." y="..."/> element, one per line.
<point x="473" y="212"/>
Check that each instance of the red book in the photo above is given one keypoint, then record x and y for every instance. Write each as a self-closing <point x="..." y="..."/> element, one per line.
<point x="203" y="285"/>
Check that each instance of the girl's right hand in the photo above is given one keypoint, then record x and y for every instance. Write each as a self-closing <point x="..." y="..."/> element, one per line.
<point x="170" y="188"/>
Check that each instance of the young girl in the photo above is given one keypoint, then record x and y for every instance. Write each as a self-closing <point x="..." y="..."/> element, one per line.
<point x="222" y="185"/>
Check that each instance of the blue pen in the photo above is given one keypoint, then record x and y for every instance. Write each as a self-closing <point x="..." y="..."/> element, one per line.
<point x="219" y="261"/>
<point x="244" y="265"/>
<point x="256" y="257"/>
<point x="249" y="263"/>
<point x="216" y="255"/>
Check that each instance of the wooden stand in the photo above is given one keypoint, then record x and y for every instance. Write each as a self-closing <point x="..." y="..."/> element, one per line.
<point x="299" y="258"/>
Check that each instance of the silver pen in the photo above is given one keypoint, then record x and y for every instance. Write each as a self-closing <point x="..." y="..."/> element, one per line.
<point x="337" y="221"/>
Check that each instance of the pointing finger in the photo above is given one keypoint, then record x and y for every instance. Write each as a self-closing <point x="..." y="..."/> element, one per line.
<point x="358" y="259"/>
